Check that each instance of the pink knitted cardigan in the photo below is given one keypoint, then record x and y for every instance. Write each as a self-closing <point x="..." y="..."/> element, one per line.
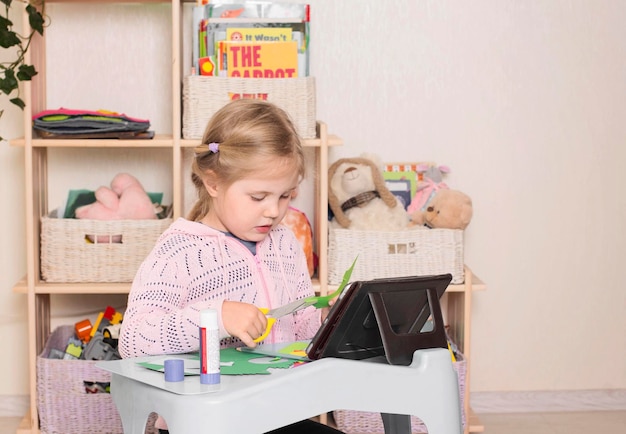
<point x="194" y="267"/>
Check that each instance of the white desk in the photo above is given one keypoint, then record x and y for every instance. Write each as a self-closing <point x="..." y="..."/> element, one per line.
<point x="250" y="404"/>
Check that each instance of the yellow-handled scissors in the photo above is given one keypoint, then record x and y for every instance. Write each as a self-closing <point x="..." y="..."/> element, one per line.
<point x="291" y="308"/>
<point x="287" y="309"/>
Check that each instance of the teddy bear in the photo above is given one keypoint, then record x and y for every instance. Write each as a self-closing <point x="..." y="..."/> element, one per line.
<point x="359" y="198"/>
<point x="125" y="200"/>
<point x="448" y="209"/>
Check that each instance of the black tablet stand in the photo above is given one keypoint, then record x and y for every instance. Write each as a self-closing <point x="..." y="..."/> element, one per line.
<point x="400" y="344"/>
<point x="400" y="341"/>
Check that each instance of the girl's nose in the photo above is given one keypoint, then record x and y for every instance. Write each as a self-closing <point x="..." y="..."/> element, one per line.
<point x="271" y="211"/>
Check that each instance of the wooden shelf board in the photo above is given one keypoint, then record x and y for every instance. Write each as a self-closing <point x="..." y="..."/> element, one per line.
<point x="159" y="141"/>
<point x="474" y="423"/>
<point x="21" y="287"/>
<point x="478" y="284"/>
<point x="456" y="288"/>
<point x="74" y="288"/>
<point x="24" y="427"/>
<point x="124" y="287"/>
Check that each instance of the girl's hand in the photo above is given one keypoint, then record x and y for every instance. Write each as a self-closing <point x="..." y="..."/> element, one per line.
<point x="244" y="321"/>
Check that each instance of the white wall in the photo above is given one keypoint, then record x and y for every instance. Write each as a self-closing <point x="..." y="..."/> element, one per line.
<point x="526" y="102"/>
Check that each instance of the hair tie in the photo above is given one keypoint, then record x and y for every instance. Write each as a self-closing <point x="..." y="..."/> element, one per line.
<point x="212" y="147"/>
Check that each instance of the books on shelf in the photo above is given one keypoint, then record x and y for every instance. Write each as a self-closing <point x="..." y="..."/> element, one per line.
<point x="251" y="40"/>
<point x="402" y="185"/>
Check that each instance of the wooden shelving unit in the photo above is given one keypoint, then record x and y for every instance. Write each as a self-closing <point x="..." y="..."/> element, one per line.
<point x="459" y="316"/>
<point x="39" y="292"/>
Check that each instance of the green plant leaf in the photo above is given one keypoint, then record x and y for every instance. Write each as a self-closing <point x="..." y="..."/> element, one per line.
<point x="8" y="38"/>
<point x="12" y="73"/>
<point x="8" y="84"/>
<point x="26" y="72"/>
<point x="35" y="19"/>
<point x="5" y="22"/>
<point x="18" y="102"/>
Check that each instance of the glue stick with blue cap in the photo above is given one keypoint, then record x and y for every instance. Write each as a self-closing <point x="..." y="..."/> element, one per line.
<point x="209" y="347"/>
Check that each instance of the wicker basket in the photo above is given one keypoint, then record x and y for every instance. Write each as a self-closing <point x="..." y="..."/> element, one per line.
<point x="203" y="96"/>
<point x="361" y="422"/>
<point x="412" y="252"/>
<point x="68" y="256"/>
<point x="63" y="404"/>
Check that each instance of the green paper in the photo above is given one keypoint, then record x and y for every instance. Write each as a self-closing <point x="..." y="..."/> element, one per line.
<point x="346" y="277"/>
<point x="152" y="366"/>
<point x="242" y="363"/>
<point x="160" y="367"/>
<point x="323" y="301"/>
<point x="232" y="362"/>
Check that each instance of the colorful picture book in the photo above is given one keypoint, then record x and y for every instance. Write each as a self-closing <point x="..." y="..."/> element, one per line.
<point x="403" y="184"/>
<point x="251" y="40"/>
<point x="404" y="179"/>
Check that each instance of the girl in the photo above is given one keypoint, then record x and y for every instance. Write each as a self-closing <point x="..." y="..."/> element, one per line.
<point x="231" y="254"/>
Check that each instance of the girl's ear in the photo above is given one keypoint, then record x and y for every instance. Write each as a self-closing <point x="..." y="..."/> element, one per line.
<point x="210" y="183"/>
<point x="295" y="192"/>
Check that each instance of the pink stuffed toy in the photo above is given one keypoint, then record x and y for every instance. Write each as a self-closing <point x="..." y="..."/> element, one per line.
<point x="426" y="189"/>
<point x="125" y="200"/>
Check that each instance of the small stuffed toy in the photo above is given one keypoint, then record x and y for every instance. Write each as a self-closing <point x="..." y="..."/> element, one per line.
<point x="448" y="209"/>
<point x="360" y="200"/>
<point x="432" y="182"/>
<point x="125" y="200"/>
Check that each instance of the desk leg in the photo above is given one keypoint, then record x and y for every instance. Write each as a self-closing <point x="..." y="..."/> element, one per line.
<point x="127" y="405"/>
<point x="396" y="423"/>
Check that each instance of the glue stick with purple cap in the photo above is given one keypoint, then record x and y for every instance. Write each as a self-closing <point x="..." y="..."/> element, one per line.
<point x="209" y="347"/>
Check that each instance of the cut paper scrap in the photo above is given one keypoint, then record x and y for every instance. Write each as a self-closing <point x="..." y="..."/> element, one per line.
<point x="295" y="349"/>
<point x="291" y="350"/>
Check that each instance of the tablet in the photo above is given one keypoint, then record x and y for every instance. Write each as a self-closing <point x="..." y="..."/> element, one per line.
<point x="391" y="317"/>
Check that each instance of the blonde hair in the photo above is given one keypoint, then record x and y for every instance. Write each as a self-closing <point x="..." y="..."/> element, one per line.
<point x="237" y="140"/>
